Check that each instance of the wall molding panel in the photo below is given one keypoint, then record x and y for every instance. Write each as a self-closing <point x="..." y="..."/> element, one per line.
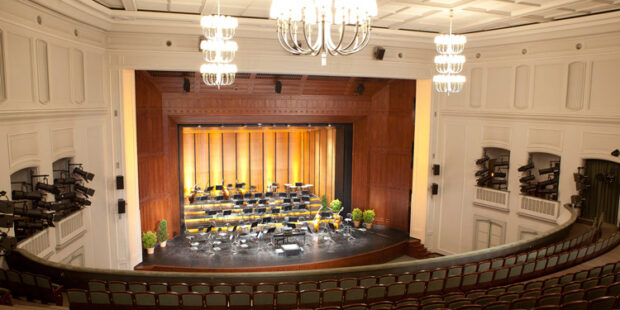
<point x="23" y="149"/>
<point x="522" y="87"/>
<point x="2" y="71"/>
<point x="19" y="71"/>
<point x="540" y="139"/>
<point x="576" y="85"/>
<point x="475" y="87"/>
<point x="62" y="143"/>
<point x="496" y="136"/>
<point x="77" y="76"/>
<point x="43" y="77"/>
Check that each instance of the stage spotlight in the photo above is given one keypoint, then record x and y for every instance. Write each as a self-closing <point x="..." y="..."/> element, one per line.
<point x="483" y="180"/>
<point x="547" y="170"/>
<point x="278" y="87"/>
<point x="499" y="181"/>
<point x="527" y="179"/>
<point x="501" y="164"/>
<point x="87" y="176"/>
<point x="34" y="213"/>
<point x="28" y="225"/>
<point x="498" y="174"/>
<point x="65" y="181"/>
<point x="7" y="243"/>
<point x="527" y="167"/>
<point x="6" y="220"/>
<point x="528" y="188"/>
<point x="482" y="171"/>
<point x="84" y="190"/>
<point x="7" y="206"/>
<point x="615" y="153"/>
<point x="21" y="195"/>
<point x="548" y="182"/>
<point x="360" y="89"/>
<point x="48" y="188"/>
<point x="482" y="160"/>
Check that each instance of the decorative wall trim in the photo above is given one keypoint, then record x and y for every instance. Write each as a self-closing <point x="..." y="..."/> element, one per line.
<point x="77" y="254"/>
<point x="69" y="229"/>
<point x="40" y="244"/>
<point x="62" y="143"/>
<point x="77" y="76"/>
<point x="43" y="78"/>
<point x="496" y="136"/>
<point x="542" y="209"/>
<point x="576" y="85"/>
<point x="23" y="150"/>
<point x="522" y="87"/>
<point x="545" y="139"/>
<point x="2" y="74"/>
<point x="475" y="87"/>
<point x="51" y="114"/>
<point x="491" y="198"/>
<point x="555" y="117"/>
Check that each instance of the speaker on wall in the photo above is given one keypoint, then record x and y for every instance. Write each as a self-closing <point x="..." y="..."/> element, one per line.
<point x="436" y="169"/>
<point x="120" y="182"/>
<point x="186" y="85"/>
<point x="379" y="53"/>
<point x="121" y="206"/>
<point x="434" y="188"/>
<point x="278" y="87"/>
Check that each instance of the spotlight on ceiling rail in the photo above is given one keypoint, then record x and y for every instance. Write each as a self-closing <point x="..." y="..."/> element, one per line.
<point x="482" y="160"/>
<point x="527" y="167"/>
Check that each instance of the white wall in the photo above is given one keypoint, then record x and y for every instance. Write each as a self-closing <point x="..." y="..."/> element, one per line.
<point x="533" y="91"/>
<point x="57" y="105"/>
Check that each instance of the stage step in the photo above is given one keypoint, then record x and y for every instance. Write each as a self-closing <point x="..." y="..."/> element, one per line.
<point x="416" y="249"/>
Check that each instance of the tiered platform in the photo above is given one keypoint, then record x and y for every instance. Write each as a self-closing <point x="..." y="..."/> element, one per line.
<point x="378" y="245"/>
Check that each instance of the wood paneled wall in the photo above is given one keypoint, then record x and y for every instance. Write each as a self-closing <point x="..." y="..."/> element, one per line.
<point x="382" y="140"/>
<point x="259" y="157"/>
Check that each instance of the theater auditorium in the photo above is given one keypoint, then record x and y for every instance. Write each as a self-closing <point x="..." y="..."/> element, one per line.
<point x="309" y="154"/>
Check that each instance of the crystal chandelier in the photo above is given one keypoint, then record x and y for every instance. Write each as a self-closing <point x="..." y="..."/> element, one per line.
<point x="305" y="26"/>
<point x="449" y="63"/>
<point x="218" y="50"/>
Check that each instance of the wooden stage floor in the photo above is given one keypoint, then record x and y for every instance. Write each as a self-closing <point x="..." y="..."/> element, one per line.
<point x="378" y="245"/>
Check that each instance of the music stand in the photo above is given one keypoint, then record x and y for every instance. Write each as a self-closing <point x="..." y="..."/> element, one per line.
<point x="299" y="184"/>
<point x="211" y="212"/>
<point x="305" y="198"/>
<point x="287" y="208"/>
<point x="262" y="201"/>
<point x="261" y="210"/>
<point x="296" y="200"/>
<point x="227" y="212"/>
<point x="292" y="195"/>
<point x="305" y="192"/>
<point x="269" y="194"/>
<point x="282" y="195"/>
<point x="275" y="211"/>
<point x="291" y="225"/>
<point x="247" y="195"/>
<point x="247" y="211"/>
<point x="268" y="219"/>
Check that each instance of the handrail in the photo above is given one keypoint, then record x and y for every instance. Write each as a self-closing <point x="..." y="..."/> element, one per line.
<point x="63" y="273"/>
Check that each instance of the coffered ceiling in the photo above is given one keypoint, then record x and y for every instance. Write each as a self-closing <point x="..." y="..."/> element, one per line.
<point x="415" y="15"/>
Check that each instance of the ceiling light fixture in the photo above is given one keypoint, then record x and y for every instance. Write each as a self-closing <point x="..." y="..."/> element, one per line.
<point x="449" y="63"/>
<point x="218" y="50"/>
<point x="305" y="26"/>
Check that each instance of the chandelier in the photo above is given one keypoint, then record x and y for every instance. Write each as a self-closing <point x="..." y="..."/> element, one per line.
<point x="305" y="26"/>
<point x="449" y="63"/>
<point x="218" y="50"/>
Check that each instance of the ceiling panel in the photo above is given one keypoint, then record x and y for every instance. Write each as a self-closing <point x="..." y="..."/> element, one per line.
<point x="420" y="15"/>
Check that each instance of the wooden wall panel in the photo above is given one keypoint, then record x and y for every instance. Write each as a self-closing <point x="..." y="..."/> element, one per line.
<point x="382" y="137"/>
<point x="228" y="158"/>
<point x="202" y="160"/>
<point x="281" y="159"/>
<point x="215" y="157"/>
<point x="189" y="162"/>
<point x="256" y="151"/>
<point x="295" y="157"/>
<point x="243" y="157"/>
<point x="269" y="154"/>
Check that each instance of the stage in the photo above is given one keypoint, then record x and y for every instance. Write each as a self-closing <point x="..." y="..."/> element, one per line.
<point x="377" y="245"/>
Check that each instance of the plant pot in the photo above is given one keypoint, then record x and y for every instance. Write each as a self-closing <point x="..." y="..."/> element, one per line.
<point x="368" y="225"/>
<point x="356" y="223"/>
<point x="150" y="250"/>
<point x="163" y="244"/>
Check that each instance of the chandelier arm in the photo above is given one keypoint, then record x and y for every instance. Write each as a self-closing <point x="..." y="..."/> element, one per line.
<point x="312" y="50"/>
<point x="283" y="38"/>
<point x="337" y="46"/>
<point x="355" y="34"/>
<point x="296" y="44"/>
<point x="359" y="47"/>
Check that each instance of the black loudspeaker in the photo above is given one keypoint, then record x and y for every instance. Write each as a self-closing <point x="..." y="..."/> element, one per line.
<point x="120" y="182"/>
<point x="616" y="153"/>
<point x="278" y="87"/>
<point x="379" y="53"/>
<point x="186" y="85"/>
<point x="360" y="89"/>
<point x="121" y="206"/>
<point x="434" y="189"/>
<point x="436" y="169"/>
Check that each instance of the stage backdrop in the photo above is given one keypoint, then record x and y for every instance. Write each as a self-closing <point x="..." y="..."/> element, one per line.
<point x="380" y="112"/>
<point x="259" y="156"/>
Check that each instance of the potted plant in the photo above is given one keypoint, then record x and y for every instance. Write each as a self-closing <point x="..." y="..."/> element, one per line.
<point x="323" y="203"/>
<point x="369" y="217"/>
<point x="149" y="239"/>
<point x="162" y="233"/>
<point x="357" y="217"/>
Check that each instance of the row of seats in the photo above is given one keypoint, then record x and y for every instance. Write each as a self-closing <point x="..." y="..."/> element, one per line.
<point x="588" y="285"/>
<point x="32" y="286"/>
<point x="416" y="284"/>
<point x="604" y="297"/>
